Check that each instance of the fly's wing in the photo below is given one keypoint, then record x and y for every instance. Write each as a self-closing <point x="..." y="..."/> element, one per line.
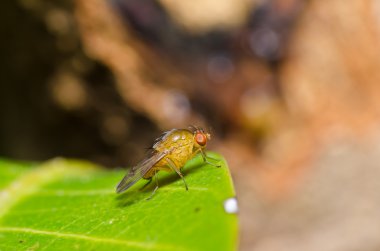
<point x="138" y="171"/>
<point x="161" y="138"/>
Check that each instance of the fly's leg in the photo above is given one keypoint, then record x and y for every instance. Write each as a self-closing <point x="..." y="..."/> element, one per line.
<point x="155" y="189"/>
<point x="205" y="157"/>
<point x="146" y="184"/>
<point x="174" y="168"/>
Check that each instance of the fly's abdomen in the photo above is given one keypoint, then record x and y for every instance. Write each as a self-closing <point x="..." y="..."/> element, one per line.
<point x="155" y="169"/>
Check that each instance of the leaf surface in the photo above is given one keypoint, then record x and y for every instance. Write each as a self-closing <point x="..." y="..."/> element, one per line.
<point x="72" y="205"/>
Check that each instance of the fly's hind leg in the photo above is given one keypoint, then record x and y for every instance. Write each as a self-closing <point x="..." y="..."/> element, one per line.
<point x="146" y="184"/>
<point x="205" y="157"/>
<point x="155" y="189"/>
<point x="174" y="168"/>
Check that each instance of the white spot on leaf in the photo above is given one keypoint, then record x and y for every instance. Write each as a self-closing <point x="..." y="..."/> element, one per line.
<point x="231" y="206"/>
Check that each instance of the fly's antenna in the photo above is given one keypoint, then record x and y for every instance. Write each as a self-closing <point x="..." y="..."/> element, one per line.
<point x="193" y="128"/>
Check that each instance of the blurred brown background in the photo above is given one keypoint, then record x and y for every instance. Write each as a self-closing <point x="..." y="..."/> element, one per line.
<point x="290" y="89"/>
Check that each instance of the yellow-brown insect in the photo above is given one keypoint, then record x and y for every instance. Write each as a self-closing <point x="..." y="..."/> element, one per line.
<point x="169" y="152"/>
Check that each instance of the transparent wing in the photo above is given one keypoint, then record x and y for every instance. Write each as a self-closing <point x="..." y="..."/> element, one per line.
<point x="162" y="137"/>
<point x="138" y="171"/>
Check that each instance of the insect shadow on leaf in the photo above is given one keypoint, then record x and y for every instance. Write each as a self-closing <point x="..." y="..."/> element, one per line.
<point x="139" y="194"/>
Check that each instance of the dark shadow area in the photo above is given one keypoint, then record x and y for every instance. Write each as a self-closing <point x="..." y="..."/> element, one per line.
<point x="54" y="99"/>
<point x="130" y="197"/>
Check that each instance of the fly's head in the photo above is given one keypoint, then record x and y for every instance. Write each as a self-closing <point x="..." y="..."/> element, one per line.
<point x="200" y="137"/>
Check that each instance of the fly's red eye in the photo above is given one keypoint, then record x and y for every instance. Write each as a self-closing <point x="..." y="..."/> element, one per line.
<point x="201" y="139"/>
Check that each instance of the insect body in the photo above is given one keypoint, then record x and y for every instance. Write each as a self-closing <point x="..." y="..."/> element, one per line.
<point x="169" y="152"/>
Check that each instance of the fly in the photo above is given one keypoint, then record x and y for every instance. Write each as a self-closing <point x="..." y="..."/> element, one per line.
<point x="169" y="152"/>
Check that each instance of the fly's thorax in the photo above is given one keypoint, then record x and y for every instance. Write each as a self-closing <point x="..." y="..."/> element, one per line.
<point x="174" y="139"/>
<point x="179" y="145"/>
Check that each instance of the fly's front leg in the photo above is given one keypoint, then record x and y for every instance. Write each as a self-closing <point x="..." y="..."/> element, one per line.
<point x="205" y="157"/>
<point x="174" y="168"/>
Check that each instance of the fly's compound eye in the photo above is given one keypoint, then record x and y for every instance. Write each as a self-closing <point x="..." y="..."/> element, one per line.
<point x="200" y="138"/>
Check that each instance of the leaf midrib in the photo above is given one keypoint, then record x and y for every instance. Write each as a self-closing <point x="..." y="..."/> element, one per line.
<point x="88" y="238"/>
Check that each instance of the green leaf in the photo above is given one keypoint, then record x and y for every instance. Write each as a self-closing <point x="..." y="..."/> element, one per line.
<point x="71" y="205"/>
